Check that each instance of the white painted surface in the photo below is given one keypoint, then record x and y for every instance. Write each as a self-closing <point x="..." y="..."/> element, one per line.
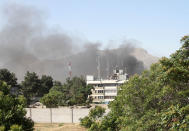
<point x="59" y="115"/>
<point x="110" y="94"/>
<point x="110" y="87"/>
<point x="40" y="115"/>
<point x="79" y="113"/>
<point x="62" y="115"/>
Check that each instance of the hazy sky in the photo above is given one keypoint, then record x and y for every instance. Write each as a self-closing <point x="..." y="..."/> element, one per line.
<point x="157" y="25"/>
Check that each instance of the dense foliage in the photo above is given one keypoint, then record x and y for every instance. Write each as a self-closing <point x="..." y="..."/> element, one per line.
<point x="8" y="77"/>
<point x="73" y="92"/>
<point x="46" y="83"/>
<point x="92" y="121"/>
<point x="156" y="100"/>
<point x="12" y="112"/>
<point x="11" y="80"/>
<point x="33" y="86"/>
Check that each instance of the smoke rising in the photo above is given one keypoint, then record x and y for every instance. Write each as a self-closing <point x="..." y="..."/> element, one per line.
<point x="28" y="44"/>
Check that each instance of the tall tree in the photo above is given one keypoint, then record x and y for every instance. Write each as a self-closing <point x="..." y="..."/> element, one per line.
<point x="74" y="91"/>
<point x="46" y="85"/>
<point x="157" y="99"/>
<point x="12" y="112"/>
<point x="8" y="77"/>
<point x="30" y="86"/>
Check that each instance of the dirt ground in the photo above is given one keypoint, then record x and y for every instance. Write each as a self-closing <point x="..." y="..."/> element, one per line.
<point x="58" y="127"/>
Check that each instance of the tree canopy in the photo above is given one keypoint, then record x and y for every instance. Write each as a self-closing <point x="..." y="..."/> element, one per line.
<point x="33" y="86"/>
<point x="12" y="112"/>
<point x="158" y="99"/>
<point x="8" y="77"/>
<point x="30" y="86"/>
<point x="74" y="91"/>
<point x="46" y="83"/>
<point x="91" y="121"/>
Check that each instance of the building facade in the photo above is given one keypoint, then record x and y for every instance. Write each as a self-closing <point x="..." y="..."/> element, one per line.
<point x="105" y="90"/>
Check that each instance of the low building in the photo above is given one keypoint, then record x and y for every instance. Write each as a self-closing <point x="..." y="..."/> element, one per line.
<point x="105" y="90"/>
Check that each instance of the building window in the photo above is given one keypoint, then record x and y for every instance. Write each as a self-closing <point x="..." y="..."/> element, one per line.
<point x="100" y="91"/>
<point x="100" y="97"/>
<point x="109" y="97"/>
<point x="100" y="85"/>
<point x="111" y="84"/>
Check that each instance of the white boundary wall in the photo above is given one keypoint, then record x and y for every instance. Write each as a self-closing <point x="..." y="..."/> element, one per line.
<point x="56" y="115"/>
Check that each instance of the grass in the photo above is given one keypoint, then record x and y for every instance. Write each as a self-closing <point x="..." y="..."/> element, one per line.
<point x="61" y="124"/>
<point x="58" y="127"/>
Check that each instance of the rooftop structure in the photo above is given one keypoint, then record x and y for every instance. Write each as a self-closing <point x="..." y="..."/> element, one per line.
<point x="105" y="90"/>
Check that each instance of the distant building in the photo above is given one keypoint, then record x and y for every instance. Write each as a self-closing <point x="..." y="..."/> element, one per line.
<point x="105" y="90"/>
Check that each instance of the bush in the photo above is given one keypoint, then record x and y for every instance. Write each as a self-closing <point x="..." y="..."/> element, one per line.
<point x="51" y="100"/>
<point x="86" y="122"/>
<point x="95" y="127"/>
<point x="96" y="113"/>
<point x="27" y="124"/>
<point x="91" y="121"/>
<point x="16" y="128"/>
<point x="2" y="128"/>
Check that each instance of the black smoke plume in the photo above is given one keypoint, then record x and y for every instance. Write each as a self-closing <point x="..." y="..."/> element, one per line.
<point x="28" y="44"/>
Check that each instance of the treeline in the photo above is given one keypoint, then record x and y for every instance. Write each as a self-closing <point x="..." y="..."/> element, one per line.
<point x="74" y="91"/>
<point x="31" y="87"/>
<point x="50" y="92"/>
<point x="156" y="100"/>
<point x="14" y="97"/>
<point x="12" y="112"/>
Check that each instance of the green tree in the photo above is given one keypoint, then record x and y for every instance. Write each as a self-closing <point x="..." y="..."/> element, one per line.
<point x="8" y="77"/>
<point x="92" y="120"/>
<point x="52" y="99"/>
<point x="78" y="90"/>
<point x="46" y="84"/>
<point x="57" y="83"/>
<point x="30" y="86"/>
<point x="145" y="99"/>
<point x="73" y="92"/>
<point x="12" y="112"/>
<point x="58" y="95"/>
<point x="34" y="87"/>
<point x="96" y="113"/>
<point x="157" y="99"/>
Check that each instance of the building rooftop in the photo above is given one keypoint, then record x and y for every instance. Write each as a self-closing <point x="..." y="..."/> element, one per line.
<point x="105" y="81"/>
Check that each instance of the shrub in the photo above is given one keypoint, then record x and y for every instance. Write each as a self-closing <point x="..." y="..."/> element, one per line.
<point x="86" y="122"/>
<point x="16" y="128"/>
<point x="91" y="121"/>
<point x="2" y="128"/>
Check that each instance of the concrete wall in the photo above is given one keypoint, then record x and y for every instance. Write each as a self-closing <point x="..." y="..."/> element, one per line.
<point x="79" y="113"/>
<point x="56" y="115"/>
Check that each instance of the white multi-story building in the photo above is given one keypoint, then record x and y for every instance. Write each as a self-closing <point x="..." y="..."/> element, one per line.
<point x="106" y="90"/>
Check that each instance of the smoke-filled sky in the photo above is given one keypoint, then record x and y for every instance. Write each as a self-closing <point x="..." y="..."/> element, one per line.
<point x="156" y="24"/>
<point x="29" y="44"/>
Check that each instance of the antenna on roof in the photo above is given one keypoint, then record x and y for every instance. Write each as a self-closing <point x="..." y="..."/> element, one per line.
<point x="108" y="68"/>
<point x="70" y="69"/>
<point x="125" y="70"/>
<point x="98" y="66"/>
